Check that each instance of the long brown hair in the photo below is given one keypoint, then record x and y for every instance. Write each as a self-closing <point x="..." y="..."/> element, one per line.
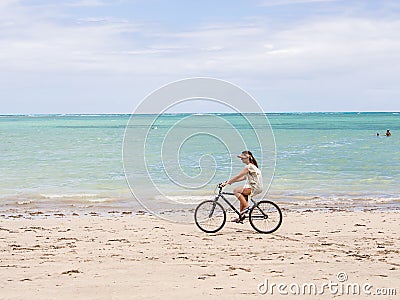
<point x="251" y="157"/>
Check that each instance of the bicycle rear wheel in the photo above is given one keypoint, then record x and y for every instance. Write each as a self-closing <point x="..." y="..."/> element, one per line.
<point x="210" y="216"/>
<point x="265" y="217"/>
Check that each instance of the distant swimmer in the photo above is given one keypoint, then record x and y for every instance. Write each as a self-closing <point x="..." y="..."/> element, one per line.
<point x="388" y="133"/>
<point x="377" y="134"/>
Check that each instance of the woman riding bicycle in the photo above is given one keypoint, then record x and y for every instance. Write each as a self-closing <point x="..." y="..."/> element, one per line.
<point x="252" y="174"/>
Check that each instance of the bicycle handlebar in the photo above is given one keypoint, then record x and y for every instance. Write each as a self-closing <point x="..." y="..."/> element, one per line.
<point x="220" y="185"/>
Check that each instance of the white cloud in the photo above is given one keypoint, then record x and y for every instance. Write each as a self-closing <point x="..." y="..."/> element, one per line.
<point x="335" y="56"/>
<point x="87" y="3"/>
<point x="31" y="42"/>
<point x="315" y="48"/>
<point x="336" y="45"/>
<point x="291" y="2"/>
<point x="7" y="3"/>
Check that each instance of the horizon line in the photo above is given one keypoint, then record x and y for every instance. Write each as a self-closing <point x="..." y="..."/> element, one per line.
<point x="200" y="113"/>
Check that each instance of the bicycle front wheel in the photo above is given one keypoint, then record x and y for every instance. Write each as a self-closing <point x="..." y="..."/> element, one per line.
<point x="210" y="216"/>
<point x="265" y="217"/>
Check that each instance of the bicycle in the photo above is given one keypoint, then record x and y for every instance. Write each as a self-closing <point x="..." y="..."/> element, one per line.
<point x="210" y="216"/>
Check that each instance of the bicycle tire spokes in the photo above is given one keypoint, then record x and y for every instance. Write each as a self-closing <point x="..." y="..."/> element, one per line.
<point x="210" y="216"/>
<point x="265" y="217"/>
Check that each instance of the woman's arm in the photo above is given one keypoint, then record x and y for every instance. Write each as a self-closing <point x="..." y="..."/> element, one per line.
<point x="239" y="177"/>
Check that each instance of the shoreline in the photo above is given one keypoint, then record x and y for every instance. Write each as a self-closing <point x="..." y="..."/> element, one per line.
<point x="141" y="256"/>
<point x="178" y="216"/>
<point x="49" y="209"/>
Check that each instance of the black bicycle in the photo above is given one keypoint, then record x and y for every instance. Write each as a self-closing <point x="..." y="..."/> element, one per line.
<point x="264" y="216"/>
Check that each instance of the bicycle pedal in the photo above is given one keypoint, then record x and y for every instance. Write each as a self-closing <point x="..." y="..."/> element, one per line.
<point x="238" y="221"/>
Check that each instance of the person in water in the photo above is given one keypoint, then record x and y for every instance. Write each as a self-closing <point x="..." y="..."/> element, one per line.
<point x="253" y="186"/>
<point x="388" y="133"/>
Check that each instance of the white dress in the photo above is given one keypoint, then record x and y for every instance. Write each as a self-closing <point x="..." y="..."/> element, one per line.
<point x="254" y="180"/>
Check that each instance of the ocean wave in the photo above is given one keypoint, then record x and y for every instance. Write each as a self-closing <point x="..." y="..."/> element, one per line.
<point x="102" y="200"/>
<point x="24" y="202"/>
<point x="61" y="196"/>
<point x="334" y="199"/>
<point x="184" y="199"/>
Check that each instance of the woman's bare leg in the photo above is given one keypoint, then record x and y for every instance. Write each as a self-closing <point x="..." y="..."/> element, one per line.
<point x="240" y="193"/>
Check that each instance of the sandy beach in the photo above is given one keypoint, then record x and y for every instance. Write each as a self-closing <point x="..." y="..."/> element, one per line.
<point x="119" y="118"/>
<point x="143" y="257"/>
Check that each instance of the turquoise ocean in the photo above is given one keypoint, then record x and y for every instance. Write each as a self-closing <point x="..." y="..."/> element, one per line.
<point x="323" y="160"/>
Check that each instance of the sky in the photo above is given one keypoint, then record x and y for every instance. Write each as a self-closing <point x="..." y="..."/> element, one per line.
<point x="106" y="56"/>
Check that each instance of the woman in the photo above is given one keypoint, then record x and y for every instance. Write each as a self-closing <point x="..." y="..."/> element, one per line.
<point x="253" y="185"/>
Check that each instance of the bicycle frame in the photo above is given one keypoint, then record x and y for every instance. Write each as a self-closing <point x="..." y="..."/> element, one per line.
<point x="264" y="216"/>
<point x="221" y="195"/>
